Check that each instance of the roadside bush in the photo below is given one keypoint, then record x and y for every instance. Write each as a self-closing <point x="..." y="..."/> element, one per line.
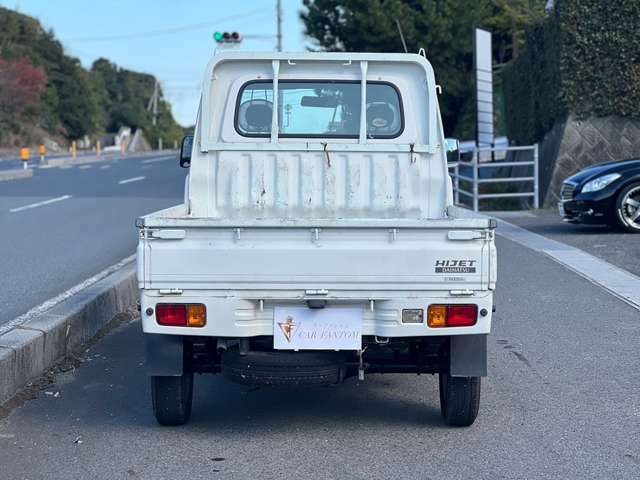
<point x="584" y="58"/>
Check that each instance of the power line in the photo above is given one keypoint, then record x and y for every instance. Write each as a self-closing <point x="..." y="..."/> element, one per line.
<point x="167" y="31"/>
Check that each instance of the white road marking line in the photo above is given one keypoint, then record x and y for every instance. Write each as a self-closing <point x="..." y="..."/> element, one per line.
<point x="47" y="166"/>
<point x="153" y="160"/>
<point x="618" y="282"/>
<point x="129" y="180"/>
<point x="84" y="167"/>
<point x="104" y="167"/>
<point x="66" y="166"/>
<point x="39" y="204"/>
<point x="49" y="304"/>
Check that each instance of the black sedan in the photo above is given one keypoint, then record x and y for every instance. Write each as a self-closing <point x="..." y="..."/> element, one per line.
<point x="607" y="193"/>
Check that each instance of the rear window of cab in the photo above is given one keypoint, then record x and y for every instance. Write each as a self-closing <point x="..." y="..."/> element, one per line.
<point x="319" y="109"/>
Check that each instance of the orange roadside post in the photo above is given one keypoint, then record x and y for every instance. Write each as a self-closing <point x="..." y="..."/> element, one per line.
<point x="24" y="155"/>
<point x="42" y="150"/>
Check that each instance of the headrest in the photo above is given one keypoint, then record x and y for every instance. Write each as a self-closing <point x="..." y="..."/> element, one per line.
<point x="380" y="116"/>
<point x="258" y="116"/>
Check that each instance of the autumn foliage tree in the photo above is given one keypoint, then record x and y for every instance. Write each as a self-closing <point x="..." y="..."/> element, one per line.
<point x="42" y="86"/>
<point x="21" y="87"/>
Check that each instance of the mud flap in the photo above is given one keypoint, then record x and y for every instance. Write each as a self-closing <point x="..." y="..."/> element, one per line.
<point x="468" y="356"/>
<point x="164" y="355"/>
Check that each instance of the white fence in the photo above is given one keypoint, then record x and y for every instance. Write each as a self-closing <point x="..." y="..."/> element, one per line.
<point x="478" y="162"/>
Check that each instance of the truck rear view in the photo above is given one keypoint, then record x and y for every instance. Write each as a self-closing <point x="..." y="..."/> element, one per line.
<point x="318" y="239"/>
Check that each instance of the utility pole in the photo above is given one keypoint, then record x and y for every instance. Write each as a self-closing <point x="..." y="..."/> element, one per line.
<point x="153" y="103"/>
<point x="279" y="20"/>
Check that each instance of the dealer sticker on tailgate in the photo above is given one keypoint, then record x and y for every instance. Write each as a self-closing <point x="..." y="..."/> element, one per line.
<point x="299" y="328"/>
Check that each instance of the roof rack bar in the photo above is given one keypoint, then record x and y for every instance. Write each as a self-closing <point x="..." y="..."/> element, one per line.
<point x="363" y="101"/>
<point x="274" y="112"/>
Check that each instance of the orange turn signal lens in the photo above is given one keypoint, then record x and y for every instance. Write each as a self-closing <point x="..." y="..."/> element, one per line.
<point x="437" y="316"/>
<point x="196" y="315"/>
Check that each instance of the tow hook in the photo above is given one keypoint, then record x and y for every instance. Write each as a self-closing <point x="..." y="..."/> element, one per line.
<point x="316" y="304"/>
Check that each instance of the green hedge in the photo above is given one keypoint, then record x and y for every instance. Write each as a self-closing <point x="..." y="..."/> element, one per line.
<point x="583" y="59"/>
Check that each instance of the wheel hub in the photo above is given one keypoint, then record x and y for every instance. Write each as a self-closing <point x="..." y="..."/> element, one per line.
<point x="631" y="207"/>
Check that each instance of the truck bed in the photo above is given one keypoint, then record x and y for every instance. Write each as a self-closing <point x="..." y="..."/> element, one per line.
<point x="351" y="258"/>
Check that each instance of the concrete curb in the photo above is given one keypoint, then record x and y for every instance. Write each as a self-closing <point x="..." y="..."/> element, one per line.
<point x="16" y="174"/>
<point x="104" y="157"/>
<point x="29" y="349"/>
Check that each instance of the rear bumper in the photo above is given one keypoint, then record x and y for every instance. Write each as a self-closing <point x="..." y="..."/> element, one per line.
<point x="233" y="315"/>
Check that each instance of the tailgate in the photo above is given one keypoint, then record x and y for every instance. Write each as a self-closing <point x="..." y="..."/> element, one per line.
<point x="338" y="259"/>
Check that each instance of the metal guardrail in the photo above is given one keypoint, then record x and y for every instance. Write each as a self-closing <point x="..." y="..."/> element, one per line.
<point x="476" y="164"/>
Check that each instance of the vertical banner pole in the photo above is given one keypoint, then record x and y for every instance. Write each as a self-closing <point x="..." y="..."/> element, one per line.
<point x="476" y="200"/>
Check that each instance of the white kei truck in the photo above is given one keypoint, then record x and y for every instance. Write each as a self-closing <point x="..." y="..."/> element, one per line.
<point x="318" y="239"/>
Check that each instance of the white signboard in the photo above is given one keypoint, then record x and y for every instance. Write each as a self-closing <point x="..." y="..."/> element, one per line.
<point x="300" y="328"/>
<point x="484" y="87"/>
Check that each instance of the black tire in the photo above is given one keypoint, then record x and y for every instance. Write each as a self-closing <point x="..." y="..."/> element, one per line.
<point x="283" y="368"/>
<point x="620" y="217"/>
<point x="172" y="398"/>
<point x="459" y="399"/>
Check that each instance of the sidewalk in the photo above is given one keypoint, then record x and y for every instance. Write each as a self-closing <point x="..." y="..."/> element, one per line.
<point x="619" y="249"/>
<point x="15" y="174"/>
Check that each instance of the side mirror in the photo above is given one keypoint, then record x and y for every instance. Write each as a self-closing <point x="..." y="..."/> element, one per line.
<point x="452" y="147"/>
<point x="185" y="151"/>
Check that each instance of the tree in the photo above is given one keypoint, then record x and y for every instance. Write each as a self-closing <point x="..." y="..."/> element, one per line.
<point x="123" y="98"/>
<point x="21" y="89"/>
<point x="76" y="102"/>
<point x="442" y="27"/>
<point x="509" y="22"/>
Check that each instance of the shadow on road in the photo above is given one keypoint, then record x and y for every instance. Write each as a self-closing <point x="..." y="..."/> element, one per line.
<point x="378" y="401"/>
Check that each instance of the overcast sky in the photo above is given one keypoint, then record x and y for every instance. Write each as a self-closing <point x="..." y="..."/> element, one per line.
<point x="169" y="39"/>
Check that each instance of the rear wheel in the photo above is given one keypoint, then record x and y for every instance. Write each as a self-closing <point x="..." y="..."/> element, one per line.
<point x="627" y="208"/>
<point x="172" y="398"/>
<point x="459" y="399"/>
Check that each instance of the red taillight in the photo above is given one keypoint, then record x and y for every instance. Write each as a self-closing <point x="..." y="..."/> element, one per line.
<point x="462" y="315"/>
<point x="181" y="314"/>
<point x="171" y="315"/>
<point x="452" y="315"/>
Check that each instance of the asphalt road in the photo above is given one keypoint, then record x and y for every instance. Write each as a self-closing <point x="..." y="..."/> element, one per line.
<point x="616" y="247"/>
<point x="562" y="401"/>
<point x="88" y="225"/>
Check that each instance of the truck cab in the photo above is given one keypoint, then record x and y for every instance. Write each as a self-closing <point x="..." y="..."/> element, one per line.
<point x="318" y="239"/>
